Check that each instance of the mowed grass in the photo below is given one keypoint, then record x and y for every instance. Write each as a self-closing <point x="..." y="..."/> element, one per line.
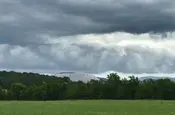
<point x="101" y="107"/>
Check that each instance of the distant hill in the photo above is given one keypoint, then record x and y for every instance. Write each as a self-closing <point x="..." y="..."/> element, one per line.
<point x="8" y="78"/>
<point x="155" y="78"/>
<point x="77" y="76"/>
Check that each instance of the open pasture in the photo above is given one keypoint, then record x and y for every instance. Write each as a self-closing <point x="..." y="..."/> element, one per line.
<point x="90" y="107"/>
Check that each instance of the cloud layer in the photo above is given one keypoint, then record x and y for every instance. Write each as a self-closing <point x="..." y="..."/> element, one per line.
<point x="129" y="36"/>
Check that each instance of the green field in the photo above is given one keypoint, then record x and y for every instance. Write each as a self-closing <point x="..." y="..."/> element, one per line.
<point x="88" y="108"/>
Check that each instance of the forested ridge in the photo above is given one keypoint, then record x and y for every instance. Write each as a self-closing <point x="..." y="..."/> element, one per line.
<point x="33" y="86"/>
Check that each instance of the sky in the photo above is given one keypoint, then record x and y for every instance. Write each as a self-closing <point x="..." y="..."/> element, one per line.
<point x="91" y="36"/>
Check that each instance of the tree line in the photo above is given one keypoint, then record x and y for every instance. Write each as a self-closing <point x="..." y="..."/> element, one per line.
<point x="30" y="86"/>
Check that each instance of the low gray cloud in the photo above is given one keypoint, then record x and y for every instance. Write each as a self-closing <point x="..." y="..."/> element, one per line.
<point x="121" y="52"/>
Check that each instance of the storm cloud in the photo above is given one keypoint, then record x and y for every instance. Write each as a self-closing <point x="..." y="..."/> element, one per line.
<point x="129" y="36"/>
<point x="95" y="53"/>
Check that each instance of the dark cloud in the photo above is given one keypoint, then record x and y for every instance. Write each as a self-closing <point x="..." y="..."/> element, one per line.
<point x="130" y="16"/>
<point x="24" y="20"/>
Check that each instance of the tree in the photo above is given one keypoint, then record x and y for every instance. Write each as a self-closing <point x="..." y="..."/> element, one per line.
<point x="132" y="86"/>
<point x="95" y="89"/>
<point x="30" y="86"/>
<point x="112" y="86"/>
<point x="17" y="90"/>
<point x="2" y="93"/>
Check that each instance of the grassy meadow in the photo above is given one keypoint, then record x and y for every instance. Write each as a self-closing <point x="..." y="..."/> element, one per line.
<point x="101" y="107"/>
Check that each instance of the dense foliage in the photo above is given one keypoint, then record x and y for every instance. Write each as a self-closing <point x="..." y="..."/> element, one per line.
<point x="30" y="86"/>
